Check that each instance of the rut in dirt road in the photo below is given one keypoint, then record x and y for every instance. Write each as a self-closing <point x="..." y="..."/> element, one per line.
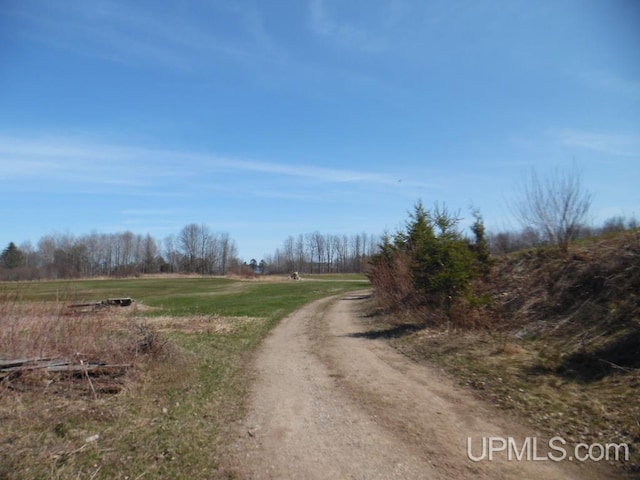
<point x="330" y="403"/>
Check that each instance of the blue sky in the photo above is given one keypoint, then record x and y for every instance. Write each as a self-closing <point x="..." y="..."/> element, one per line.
<point x="265" y="119"/>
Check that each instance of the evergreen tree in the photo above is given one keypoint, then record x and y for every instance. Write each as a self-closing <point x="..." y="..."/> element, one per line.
<point x="12" y="257"/>
<point x="481" y="245"/>
<point x="430" y="262"/>
<point x="420" y="232"/>
<point x="443" y="262"/>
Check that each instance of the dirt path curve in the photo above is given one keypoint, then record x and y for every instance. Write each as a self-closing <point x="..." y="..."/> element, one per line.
<point x="329" y="402"/>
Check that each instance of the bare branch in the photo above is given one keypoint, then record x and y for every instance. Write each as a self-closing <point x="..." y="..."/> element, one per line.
<point x="556" y="205"/>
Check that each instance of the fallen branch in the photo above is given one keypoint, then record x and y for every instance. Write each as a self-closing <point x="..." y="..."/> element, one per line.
<point x="86" y="374"/>
<point x="619" y="367"/>
<point x="62" y="366"/>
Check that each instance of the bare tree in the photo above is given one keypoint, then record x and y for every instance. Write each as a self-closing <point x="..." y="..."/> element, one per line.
<point x="151" y="252"/>
<point x="613" y="225"/>
<point x="228" y="252"/>
<point x="330" y="252"/>
<point x="206" y="250"/>
<point x="556" y="205"/>
<point x="288" y="251"/>
<point x="318" y="246"/>
<point x="29" y="254"/>
<point x="188" y="241"/>
<point x="309" y="250"/>
<point x="171" y="253"/>
<point x="356" y="253"/>
<point x="341" y="246"/>
<point x="300" y="253"/>
<point x="47" y="248"/>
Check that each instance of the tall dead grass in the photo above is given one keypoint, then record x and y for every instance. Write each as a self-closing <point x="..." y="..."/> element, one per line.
<point x="51" y="330"/>
<point x="393" y="283"/>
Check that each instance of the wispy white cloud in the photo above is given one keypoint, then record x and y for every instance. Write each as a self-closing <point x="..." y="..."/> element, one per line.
<point x="612" y="144"/>
<point x="64" y="161"/>
<point x="318" y="174"/>
<point x="613" y="82"/>
<point x="70" y="161"/>
<point x="126" y="33"/>
<point x="341" y="32"/>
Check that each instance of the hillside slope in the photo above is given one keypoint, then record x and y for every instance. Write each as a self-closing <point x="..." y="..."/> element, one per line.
<point x="556" y="340"/>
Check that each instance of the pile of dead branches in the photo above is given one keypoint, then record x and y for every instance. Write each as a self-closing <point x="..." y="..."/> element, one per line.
<point x="61" y="374"/>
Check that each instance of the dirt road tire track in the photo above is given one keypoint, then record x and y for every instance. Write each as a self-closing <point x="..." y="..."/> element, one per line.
<point x="330" y="403"/>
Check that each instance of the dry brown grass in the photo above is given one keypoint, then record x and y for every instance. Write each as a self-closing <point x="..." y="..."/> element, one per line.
<point x="392" y="281"/>
<point x="51" y="330"/>
<point x="94" y="350"/>
<point x="55" y="422"/>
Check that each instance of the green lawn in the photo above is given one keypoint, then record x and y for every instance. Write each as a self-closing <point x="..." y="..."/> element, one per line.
<point x="190" y="296"/>
<point x="151" y="290"/>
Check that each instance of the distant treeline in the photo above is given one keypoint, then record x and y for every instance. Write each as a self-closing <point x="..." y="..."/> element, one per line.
<point x="330" y="253"/>
<point x="195" y="249"/>
<point x="323" y="253"/>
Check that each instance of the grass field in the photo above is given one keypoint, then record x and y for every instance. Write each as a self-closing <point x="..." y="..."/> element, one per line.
<point x="166" y="420"/>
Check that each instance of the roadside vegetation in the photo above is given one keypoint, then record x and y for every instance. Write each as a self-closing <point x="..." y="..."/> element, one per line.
<point x="550" y="332"/>
<point x="180" y="348"/>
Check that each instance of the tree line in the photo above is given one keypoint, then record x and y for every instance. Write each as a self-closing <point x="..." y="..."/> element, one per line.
<point x="195" y="249"/>
<point x="552" y="210"/>
<point x="316" y="252"/>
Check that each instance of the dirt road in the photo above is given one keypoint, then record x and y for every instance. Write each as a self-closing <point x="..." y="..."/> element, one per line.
<point x="331" y="402"/>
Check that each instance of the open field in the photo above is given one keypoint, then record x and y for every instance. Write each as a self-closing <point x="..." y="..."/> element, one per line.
<point x="173" y="402"/>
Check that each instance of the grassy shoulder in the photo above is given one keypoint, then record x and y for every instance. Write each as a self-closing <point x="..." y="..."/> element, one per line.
<point x="167" y="418"/>
<point x="508" y="375"/>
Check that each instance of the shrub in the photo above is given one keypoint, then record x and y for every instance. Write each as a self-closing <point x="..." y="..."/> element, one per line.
<point x="429" y="263"/>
